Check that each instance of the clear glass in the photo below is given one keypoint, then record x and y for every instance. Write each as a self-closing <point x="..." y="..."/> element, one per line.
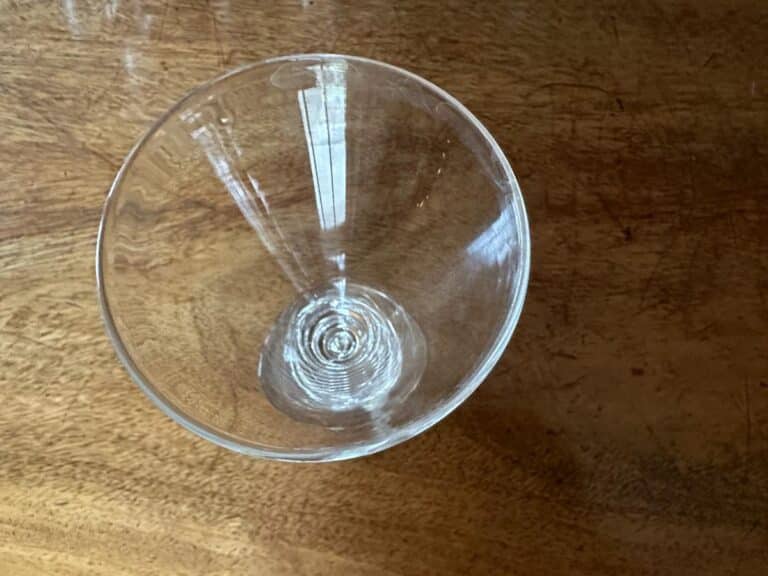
<point x="313" y="258"/>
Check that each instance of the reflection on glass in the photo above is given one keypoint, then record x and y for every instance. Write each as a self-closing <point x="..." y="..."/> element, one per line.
<point x="224" y="156"/>
<point x="110" y="9"/>
<point x="323" y="113"/>
<point x="70" y="13"/>
<point x="493" y="245"/>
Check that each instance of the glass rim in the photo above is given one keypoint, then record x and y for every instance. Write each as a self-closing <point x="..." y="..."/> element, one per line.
<point x="469" y="382"/>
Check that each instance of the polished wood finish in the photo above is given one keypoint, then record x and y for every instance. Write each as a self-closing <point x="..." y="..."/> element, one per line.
<point x="625" y="430"/>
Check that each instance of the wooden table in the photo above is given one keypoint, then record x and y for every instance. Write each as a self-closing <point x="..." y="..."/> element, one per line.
<point x="625" y="430"/>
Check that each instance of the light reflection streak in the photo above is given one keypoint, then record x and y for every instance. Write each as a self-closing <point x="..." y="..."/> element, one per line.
<point x="322" y="109"/>
<point x="323" y="113"/>
<point x="249" y="197"/>
<point x="73" y="22"/>
<point x="495" y="243"/>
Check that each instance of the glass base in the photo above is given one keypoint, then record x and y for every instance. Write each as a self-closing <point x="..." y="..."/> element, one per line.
<point x="342" y="354"/>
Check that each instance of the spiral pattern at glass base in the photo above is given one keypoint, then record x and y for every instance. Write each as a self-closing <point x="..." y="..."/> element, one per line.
<point x="340" y="354"/>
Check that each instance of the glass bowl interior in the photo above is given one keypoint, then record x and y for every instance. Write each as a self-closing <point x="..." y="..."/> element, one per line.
<point x="313" y="257"/>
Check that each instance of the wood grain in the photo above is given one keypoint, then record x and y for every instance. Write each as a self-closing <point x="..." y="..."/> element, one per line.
<point x="625" y="430"/>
